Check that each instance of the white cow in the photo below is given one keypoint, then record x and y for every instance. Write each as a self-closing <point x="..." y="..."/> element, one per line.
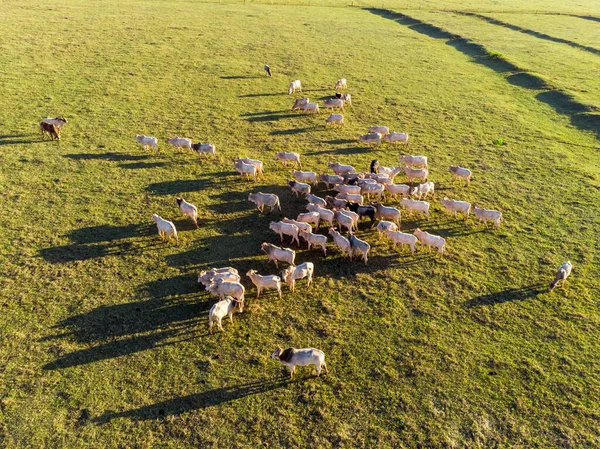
<point x="294" y="86"/>
<point x="180" y="142"/>
<point x="147" y="141"/>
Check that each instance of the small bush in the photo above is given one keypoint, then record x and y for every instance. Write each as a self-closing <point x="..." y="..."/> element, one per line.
<point x="496" y="55"/>
<point x="498" y="142"/>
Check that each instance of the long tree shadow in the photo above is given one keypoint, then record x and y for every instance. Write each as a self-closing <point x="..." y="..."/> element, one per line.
<point x="510" y="294"/>
<point x="581" y="115"/>
<point x="531" y="32"/>
<point x="196" y="401"/>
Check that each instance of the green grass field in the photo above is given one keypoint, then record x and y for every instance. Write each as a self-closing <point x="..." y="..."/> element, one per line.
<point x="103" y="336"/>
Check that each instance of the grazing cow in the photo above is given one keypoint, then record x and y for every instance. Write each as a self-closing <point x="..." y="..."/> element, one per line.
<point x="310" y="217"/>
<point x="454" y="206"/>
<point x="419" y="173"/>
<point x="415" y="205"/>
<point x="228" y="274"/>
<point x="326" y="216"/>
<point x="389" y="213"/>
<point x="383" y="130"/>
<point x="340" y="169"/>
<point x="371" y="138"/>
<point x="346" y="98"/>
<point x="486" y="215"/>
<point x="276" y="253"/>
<point x="188" y="210"/>
<point x="332" y="103"/>
<point x="363" y="211"/>
<point x="336" y="203"/>
<point x="431" y="240"/>
<point x="331" y="180"/>
<point x="414" y="161"/>
<point x="355" y="198"/>
<point x="344" y="221"/>
<point x="271" y="281"/>
<point x="165" y="228"/>
<point x="221" y="309"/>
<point x="335" y="119"/>
<point x="315" y="239"/>
<point x="344" y="188"/>
<point x="294" y="86"/>
<point x="423" y="190"/>
<point x="293" y="273"/>
<point x="58" y="122"/>
<point x="285" y="157"/>
<point x="267" y="69"/>
<point x="258" y="164"/>
<point x="562" y="274"/>
<point x="299" y="187"/>
<point x="300" y="102"/>
<point x="311" y="107"/>
<point x="222" y="288"/>
<point x="281" y="228"/>
<point x="313" y="199"/>
<point x="394" y="137"/>
<point x="305" y="176"/>
<point x="205" y="148"/>
<point x="147" y="141"/>
<point x="340" y="84"/>
<point x="373" y="189"/>
<point x="265" y="199"/>
<point x="50" y="129"/>
<point x="301" y="225"/>
<point x="341" y="242"/>
<point x="395" y="189"/>
<point x="180" y="142"/>
<point x="245" y="169"/>
<point x="384" y="226"/>
<point x="402" y="238"/>
<point x="460" y="172"/>
<point x="359" y="246"/>
<point x="291" y="358"/>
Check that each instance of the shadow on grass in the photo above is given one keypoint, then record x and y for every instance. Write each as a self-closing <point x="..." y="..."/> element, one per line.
<point x="292" y="131"/>
<point x="347" y="150"/>
<point x="239" y="77"/>
<point x="99" y="241"/>
<point x="262" y="95"/>
<point x="532" y="32"/>
<point x="510" y="294"/>
<point x="143" y="165"/>
<point x="106" y="156"/>
<point x="176" y="187"/>
<point x="20" y="139"/>
<point x="196" y="401"/>
<point x="174" y="309"/>
<point x="271" y="117"/>
<point x="582" y="116"/>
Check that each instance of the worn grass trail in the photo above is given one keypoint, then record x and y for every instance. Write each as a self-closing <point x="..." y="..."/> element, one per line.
<point x="103" y="336"/>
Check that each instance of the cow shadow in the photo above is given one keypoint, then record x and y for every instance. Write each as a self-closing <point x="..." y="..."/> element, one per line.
<point x="143" y="165"/>
<point x="99" y="241"/>
<point x="197" y="401"/>
<point x="172" y="311"/>
<point x="180" y="186"/>
<point x="239" y="77"/>
<point x="292" y="131"/>
<point x="271" y="117"/>
<point x="19" y="139"/>
<point x="510" y="294"/>
<point x="346" y="151"/>
<point x="110" y="156"/>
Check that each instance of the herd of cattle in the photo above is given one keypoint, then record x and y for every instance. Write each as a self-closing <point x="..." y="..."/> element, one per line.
<point x="355" y="192"/>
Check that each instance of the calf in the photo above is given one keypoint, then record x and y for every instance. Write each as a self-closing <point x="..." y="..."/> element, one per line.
<point x="294" y="86"/>
<point x="258" y="164"/>
<point x="383" y="130"/>
<point x="461" y="173"/>
<point x="165" y="228"/>
<point x="340" y="84"/>
<point x="50" y="129"/>
<point x="147" y="142"/>
<point x="384" y="226"/>
<point x="423" y="190"/>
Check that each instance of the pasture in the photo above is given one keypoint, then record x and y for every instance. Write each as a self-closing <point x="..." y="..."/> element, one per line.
<point x="103" y="334"/>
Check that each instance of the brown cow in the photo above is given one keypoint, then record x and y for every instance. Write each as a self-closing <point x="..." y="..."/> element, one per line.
<point x="50" y="129"/>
